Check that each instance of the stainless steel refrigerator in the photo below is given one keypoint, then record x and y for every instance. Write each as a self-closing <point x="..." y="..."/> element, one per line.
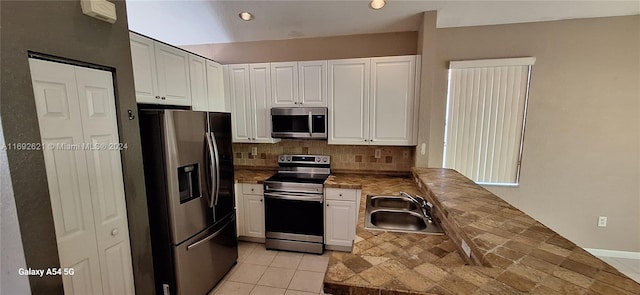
<point x="188" y="164"/>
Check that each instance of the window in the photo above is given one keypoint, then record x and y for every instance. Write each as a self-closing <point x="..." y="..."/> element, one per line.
<point x="486" y="110"/>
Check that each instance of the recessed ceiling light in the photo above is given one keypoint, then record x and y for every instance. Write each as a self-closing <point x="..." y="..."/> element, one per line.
<point x="377" y="4"/>
<point x="245" y="16"/>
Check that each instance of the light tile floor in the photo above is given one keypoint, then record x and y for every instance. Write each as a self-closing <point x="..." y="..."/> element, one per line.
<point x="260" y="271"/>
<point x="629" y="267"/>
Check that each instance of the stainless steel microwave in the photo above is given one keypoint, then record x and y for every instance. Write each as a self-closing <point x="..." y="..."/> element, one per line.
<point x="301" y="123"/>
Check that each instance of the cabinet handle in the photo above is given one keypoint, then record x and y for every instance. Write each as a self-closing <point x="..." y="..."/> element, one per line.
<point x="327" y="205"/>
<point x="163" y="98"/>
<point x="157" y="97"/>
<point x="251" y="189"/>
<point x="366" y="140"/>
<point x="114" y="232"/>
<point x="295" y="102"/>
<point x="341" y="195"/>
<point x="260" y="200"/>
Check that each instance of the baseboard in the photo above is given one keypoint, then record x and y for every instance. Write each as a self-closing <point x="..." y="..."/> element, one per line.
<point x="613" y="253"/>
<point x="251" y="239"/>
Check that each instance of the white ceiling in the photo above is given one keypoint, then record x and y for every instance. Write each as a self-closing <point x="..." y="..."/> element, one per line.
<point x="216" y="21"/>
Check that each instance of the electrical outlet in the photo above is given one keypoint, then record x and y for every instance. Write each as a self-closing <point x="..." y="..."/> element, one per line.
<point x="378" y="153"/>
<point x="405" y="155"/>
<point x="602" y="221"/>
<point x="254" y="151"/>
<point x="466" y="248"/>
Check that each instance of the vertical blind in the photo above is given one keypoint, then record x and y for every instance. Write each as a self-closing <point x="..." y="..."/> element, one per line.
<point x="486" y="109"/>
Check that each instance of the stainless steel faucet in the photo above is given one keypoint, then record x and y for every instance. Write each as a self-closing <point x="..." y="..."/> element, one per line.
<point x="424" y="205"/>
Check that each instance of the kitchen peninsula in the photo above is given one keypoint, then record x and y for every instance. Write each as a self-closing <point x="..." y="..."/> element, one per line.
<point x="510" y="252"/>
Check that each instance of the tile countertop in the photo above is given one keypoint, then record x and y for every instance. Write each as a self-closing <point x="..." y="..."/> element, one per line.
<point x="243" y="174"/>
<point x="511" y="253"/>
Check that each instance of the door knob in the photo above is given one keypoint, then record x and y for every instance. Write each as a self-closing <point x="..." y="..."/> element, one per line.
<point x="114" y="232"/>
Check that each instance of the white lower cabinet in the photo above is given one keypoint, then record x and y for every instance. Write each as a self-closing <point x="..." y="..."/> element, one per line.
<point x="250" y="200"/>
<point x="340" y="218"/>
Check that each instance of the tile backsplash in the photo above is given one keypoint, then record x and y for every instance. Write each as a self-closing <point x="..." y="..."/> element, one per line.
<point x="346" y="157"/>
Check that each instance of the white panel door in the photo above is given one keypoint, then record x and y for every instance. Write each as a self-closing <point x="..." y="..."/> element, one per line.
<point x="253" y="209"/>
<point x="76" y="106"/>
<point x="60" y="123"/>
<point x="392" y="100"/>
<point x="284" y="84"/>
<point x="240" y="97"/>
<point x="312" y="83"/>
<point x="215" y="87"/>
<point x="261" y="97"/>
<point x="340" y="229"/>
<point x="198" y="81"/>
<point x="348" y="90"/>
<point x="99" y="126"/>
<point x="173" y="75"/>
<point x="143" y="60"/>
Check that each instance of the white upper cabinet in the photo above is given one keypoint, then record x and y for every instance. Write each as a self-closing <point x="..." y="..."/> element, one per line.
<point x="284" y="84"/>
<point x="198" y="77"/>
<point x="207" y="85"/>
<point x="173" y="75"/>
<point x="260" y="81"/>
<point x="373" y="101"/>
<point x="249" y="91"/>
<point x="216" y="87"/>
<point x="392" y="101"/>
<point x="160" y="72"/>
<point x="143" y="59"/>
<point x="349" y="101"/>
<point x="299" y="84"/>
<point x="241" y="106"/>
<point x="312" y="88"/>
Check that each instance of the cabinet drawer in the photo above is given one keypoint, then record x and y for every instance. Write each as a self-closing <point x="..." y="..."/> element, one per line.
<point x="341" y="194"/>
<point x="252" y="189"/>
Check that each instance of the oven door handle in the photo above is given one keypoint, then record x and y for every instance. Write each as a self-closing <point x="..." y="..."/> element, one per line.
<point x="313" y="198"/>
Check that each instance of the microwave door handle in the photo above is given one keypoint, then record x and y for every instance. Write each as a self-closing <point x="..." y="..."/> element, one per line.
<point x="210" y="154"/>
<point x="216" y="155"/>
<point x="310" y="124"/>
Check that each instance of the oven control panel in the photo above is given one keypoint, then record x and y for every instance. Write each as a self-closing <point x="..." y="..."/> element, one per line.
<point x="304" y="159"/>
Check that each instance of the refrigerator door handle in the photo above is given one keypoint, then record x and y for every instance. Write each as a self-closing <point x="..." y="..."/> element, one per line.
<point x="213" y="164"/>
<point x="209" y="237"/>
<point x="217" y="167"/>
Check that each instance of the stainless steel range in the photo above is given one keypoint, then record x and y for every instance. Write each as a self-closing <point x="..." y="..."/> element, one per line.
<point x="294" y="197"/>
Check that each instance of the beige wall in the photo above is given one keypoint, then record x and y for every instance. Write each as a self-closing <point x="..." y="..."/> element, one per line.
<point x="581" y="153"/>
<point x="352" y="46"/>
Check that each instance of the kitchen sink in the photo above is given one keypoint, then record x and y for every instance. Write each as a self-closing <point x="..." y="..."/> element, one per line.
<point x="400" y="220"/>
<point x="400" y="214"/>
<point x="394" y="202"/>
